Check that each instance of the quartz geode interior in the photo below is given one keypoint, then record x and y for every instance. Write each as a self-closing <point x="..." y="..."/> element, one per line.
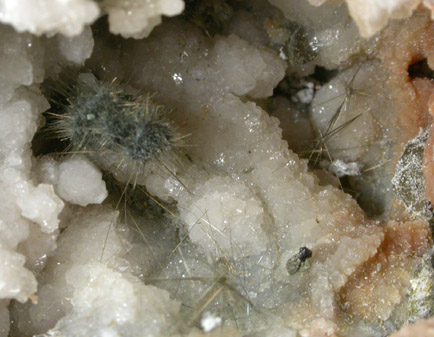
<point x="278" y="216"/>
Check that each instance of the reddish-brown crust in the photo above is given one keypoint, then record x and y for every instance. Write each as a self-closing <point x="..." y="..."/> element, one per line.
<point x="422" y="328"/>
<point x="373" y="291"/>
<point x="402" y="45"/>
<point x="428" y="159"/>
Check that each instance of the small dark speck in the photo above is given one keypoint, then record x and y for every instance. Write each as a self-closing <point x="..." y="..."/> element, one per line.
<point x="299" y="261"/>
<point x="304" y="253"/>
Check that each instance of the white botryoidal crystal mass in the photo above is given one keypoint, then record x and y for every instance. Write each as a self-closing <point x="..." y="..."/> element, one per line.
<point x="27" y="207"/>
<point x="354" y="105"/>
<point x="137" y="18"/>
<point x="129" y="18"/>
<point x="91" y="267"/>
<point x="75" y="179"/>
<point x="67" y="17"/>
<point x="77" y="48"/>
<point x="372" y="16"/>
<point x="30" y="206"/>
<point x="336" y="36"/>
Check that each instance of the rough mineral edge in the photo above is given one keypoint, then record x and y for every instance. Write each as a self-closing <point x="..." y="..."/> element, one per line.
<point x="91" y="268"/>
<point x="320" y="328"/>
<point x="23" y="200"/>
<point x="373" y="15"/>
<point x="354" y="112"/>
<point x="336" y="36"/>
<point x="130" y="19"/>
<point x="302" y="212"/>
<point x="349" y="106"/>
<point x="29" y="209"/>
<point x="53" y="16"/>
<point x="137" y="18"/>
<point x="408" y="181"/>
<point x="125" y="306"/>
<point x="76" y="49"/>
<point x="402" y="46"/>
<point x="421" y="296"/>
<point x="257" y="128"/>
<point x="428" y="159"/>
<point x="75" y="179"/>
<point x="380" y="284"/>
<point x="422" y="328"/>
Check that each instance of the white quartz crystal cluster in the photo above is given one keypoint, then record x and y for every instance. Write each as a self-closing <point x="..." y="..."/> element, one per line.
<point x="29" y="208"/>
<point x="137" y="18"/>
<point x="91" y="276"/>
<point x="242" y="195"/>
<point x="76" y="179"/>
<point x="31" y="188"/>
<point x="48" y="16"/>
<point x="373" y="15"/>
<point x="134" y="18"/>
<point x="336" y="36"/>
